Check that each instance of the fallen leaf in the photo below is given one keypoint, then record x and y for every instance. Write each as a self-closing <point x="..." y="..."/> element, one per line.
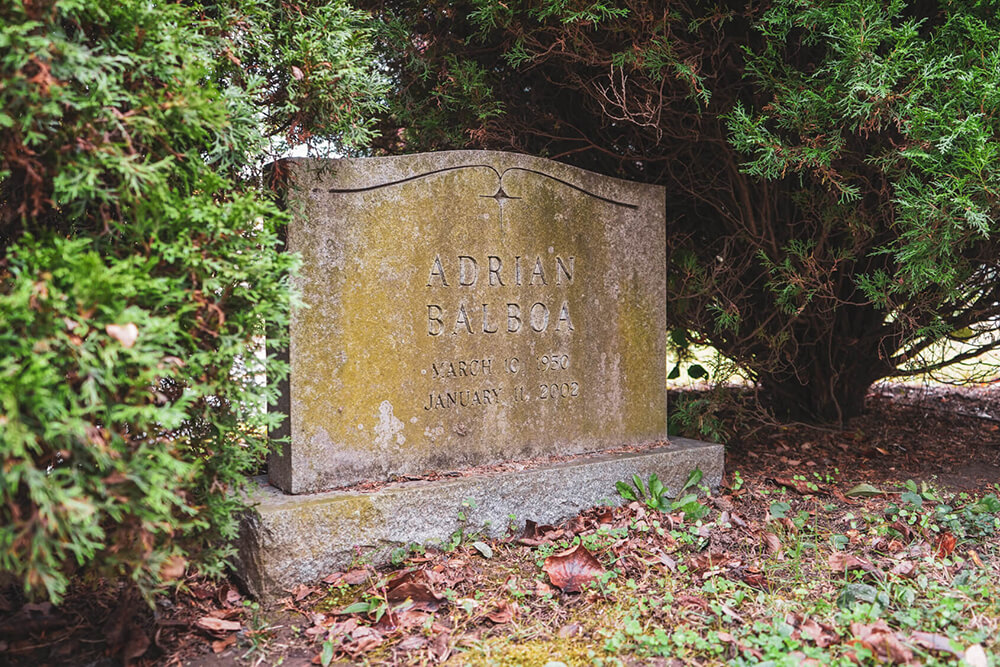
<point x="333" y="578"/>
<point x="542" y="589"/>
<point x="440" y="647"/>
<point x="411" y="618"/>
<point x="841" y="561"/>
<point x="414" y="585"/>
<point x="126" y="334"/>
<point x="354" y="577"/>
<point x="297" y="73"/>
<point x="569" y="630"/>
<point x="136" y="645"/>
<point x="754" y="577"/>
<point x="975" y="656"/>
<point x="220" y="645"/>
<point x="535" y="535"/>
<point x="504" y="612"/>
<point x="232" y="596"/>
<point x="821" y="634"/>
<point x="412" y="643"/>
<point x="573" y="569"/>
<point x="903" y="529"/>
<point x="882" y="641"/>
<point x="772" y="543"/>
<point x="364" y="639"/>
<point x="483" y="548"/>
<point x="904" y="568"/>
<point x="934" y="642"/>
<point x="213" y="624"/>
<point x="173" y="568"/>
<point x="799" y="486"/>
<point x="945" y="545"/>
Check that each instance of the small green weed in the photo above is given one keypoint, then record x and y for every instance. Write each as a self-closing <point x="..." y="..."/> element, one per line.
<point x="655" y="495"/>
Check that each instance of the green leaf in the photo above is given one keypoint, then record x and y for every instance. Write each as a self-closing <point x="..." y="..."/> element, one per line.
<point x="692" y="479"/>
<point x="674" y="373"/>
<point x="655" y="487"/>
<point x="357" y="608"/>
<point x="696" y="371"/>
<point x="988" y="504"/>
<point x="851" y="594"/>
<point x="684" y="500"/>
<point x="625" y="491"/>
<point x="326" y="655"/>
<point x="864" y="489"/>
<point x="779" y="509"/>
<point x="638" y="485"/>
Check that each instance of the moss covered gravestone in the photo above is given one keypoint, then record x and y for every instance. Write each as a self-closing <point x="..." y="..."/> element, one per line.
<point x="463" y="309"/>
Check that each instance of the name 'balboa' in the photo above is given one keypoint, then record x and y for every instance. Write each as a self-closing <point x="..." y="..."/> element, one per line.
<point x="504" y="317"/>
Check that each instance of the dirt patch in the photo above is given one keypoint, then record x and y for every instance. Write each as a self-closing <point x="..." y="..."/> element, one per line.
<point x="950" y="436"/>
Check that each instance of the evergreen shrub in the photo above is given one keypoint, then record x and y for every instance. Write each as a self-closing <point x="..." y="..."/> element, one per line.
<point x="140" y="264"/>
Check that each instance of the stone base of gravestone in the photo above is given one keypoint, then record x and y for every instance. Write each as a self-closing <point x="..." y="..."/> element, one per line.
<point x="293" y="539"/>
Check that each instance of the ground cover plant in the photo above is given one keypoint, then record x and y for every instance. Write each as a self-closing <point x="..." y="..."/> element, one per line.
<point x="827" y="547"/>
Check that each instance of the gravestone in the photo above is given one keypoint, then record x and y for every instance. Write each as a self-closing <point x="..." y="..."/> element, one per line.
<point x="463" y="309"/>
<point x="466" y="309"/>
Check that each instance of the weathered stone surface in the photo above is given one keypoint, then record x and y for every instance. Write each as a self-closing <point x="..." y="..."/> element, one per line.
<point x="468" y="308"/>
<point x="296" y="539"/>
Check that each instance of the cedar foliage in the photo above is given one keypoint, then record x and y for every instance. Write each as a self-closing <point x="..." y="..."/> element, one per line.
<point x="831" y="168"/>
<point x="140" y="263"/>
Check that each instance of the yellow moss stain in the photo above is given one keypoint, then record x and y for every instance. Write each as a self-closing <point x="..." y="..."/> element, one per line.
<point x="641" y="372"/>
<point x="355" y="514"/>
<point x="503" y="652"/>
<point x="364" y="343"/>
<point x="338" y="597"/>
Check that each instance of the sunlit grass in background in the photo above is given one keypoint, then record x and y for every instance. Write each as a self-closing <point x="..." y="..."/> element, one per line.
<point x="981" y="370"/>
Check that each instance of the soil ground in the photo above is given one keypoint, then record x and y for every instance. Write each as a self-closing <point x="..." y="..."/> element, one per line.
<point x="502" y="602"/>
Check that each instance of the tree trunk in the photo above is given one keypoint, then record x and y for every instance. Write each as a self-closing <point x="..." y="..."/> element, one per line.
<point x="818" y="394"/>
